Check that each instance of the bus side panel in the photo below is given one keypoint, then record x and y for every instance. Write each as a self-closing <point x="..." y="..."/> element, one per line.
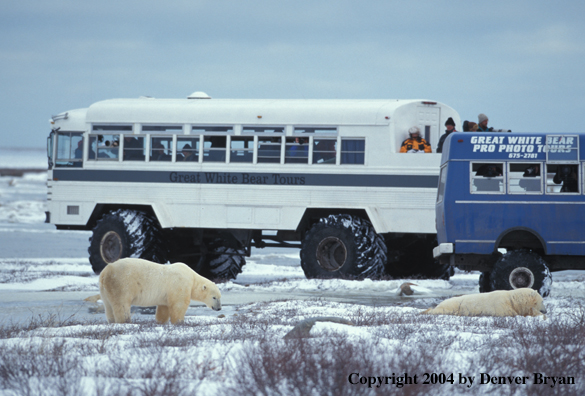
<point x="474" y="222"/>
<point x="477" y="229"/>
<point x="563" y="228"/>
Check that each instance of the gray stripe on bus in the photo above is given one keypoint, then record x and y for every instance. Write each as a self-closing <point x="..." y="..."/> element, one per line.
<point x="273" y="178"/>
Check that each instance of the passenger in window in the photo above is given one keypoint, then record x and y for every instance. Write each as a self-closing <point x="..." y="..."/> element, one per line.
<point x="299" y="151"/>
<point x="415" y="143"/>
<point x="79" y="151"/>
<point x="450" y="125"/>
<point x="158" y="153"/>
<point x="532" y="171"/>
<point x="567" y="175"/>
<point x="131" y="143"/>
<point x="529" y="184"/>
<point x="489" y="170"/>
<point x="188" y="154"/>
<point x="108" y="149"/>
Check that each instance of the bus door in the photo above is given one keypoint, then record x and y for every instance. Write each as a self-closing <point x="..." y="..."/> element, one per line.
<point x="50" y="148"/>
<point x="427" y="120"/>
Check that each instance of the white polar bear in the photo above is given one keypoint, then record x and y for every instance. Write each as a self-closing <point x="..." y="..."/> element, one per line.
<point x="518" y="302"/>
<point x="133" y="281"/>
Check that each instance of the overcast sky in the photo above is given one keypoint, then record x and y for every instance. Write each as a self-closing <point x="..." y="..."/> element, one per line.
<point x="520" y="62"/>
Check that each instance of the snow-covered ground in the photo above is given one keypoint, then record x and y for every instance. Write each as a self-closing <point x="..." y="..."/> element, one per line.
<point x="54" y="343"/>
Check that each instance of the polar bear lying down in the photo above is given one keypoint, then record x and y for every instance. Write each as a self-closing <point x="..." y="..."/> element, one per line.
<point x="518" y="302"/>
<point x="132" y="281"/>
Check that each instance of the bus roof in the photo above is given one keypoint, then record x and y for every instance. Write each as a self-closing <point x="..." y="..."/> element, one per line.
<point x="537" y="146"/>
<point x="249" y="111"/>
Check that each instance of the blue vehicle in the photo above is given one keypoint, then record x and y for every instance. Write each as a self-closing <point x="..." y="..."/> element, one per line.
<point x="511" y="205"/>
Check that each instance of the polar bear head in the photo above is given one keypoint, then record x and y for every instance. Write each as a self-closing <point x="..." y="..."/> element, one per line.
<point x="527" y="302"/>
<point x="213" y="296"/>
<point x="207" y="292"/>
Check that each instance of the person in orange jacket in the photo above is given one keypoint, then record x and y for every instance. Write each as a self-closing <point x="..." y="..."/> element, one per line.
<point x="415" y="144"/>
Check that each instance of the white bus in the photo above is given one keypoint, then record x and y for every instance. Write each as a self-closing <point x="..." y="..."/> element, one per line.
<point x="203" y="180"/>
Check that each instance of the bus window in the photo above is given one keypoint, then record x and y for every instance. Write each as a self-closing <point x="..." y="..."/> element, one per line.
<point x="353" y="151"/>
<point x="202" y="130"/>
<point x="241" y="149"/>
<point x="161" y="148"/>
<point x="106" y="141"/>
<point x="162" y="128"/>
<point x="442" y="181"/>
<point x="317" y="131"/>
<point x="188" y="149"/>
<point x="297" y="150"/>
<point x="262" y="129"/>
<point x="214" y="148"/>
<point x="525" y="178"/>
<point x="324" y="151"/>
<point x="562" y="178"/>
<point x="133" y="148"/>
<point x="487" y="178"/>
<point x="103" y="147"/>
<point x="69" y="149"/>
<point x="269" y="149"/>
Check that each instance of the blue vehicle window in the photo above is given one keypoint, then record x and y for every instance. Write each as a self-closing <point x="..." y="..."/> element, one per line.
<point x="525" y="178"/>
<point x="563" y="178"/>
<point x="487" y="178"/>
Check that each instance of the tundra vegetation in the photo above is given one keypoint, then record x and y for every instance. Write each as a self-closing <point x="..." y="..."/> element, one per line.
<point x="246" y="353"/>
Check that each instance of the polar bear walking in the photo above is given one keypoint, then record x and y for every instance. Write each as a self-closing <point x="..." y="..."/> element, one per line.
<point x="133" y="281"/>
<point x="518" y="302"/>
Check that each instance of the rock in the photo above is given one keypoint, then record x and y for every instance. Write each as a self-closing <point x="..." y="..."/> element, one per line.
<point x="303" y="328"/>
<point x="405" y="290"/>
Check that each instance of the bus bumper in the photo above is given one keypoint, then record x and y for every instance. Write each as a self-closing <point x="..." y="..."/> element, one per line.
<point x="443" y="248"/>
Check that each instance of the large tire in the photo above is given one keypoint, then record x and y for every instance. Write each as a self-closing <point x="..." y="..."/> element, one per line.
<point x="125" y="233"/>
<point x="521" y="268"/>
<point x="343" y="246"/>
<point x="484" y="282"/>
<point x="415" y="259"/>
<point x="221" y="262"/>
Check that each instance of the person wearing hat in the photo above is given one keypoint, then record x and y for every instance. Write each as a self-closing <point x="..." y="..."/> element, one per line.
<point x="482" y="121"/>
<point x="415" y="144"/>
<point x="450" y="125"/>
<point x="188" y="154"/>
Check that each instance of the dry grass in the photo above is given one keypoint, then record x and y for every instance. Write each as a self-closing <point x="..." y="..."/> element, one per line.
<point x="246" y="354"/>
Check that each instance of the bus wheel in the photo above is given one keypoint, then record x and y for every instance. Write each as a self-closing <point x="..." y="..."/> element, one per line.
<point x="125" y="233"/>
<point x="221" y="262"/>
<point x="343" y="246"/>
<point x="521" y="268"/>
<point x="484" y="282"/>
